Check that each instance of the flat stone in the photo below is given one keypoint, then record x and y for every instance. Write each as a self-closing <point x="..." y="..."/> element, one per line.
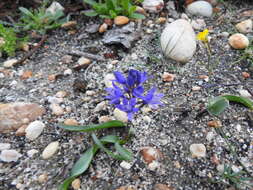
<point x="12" y="115"/>
<point x="34" y="130"/>
<point x="198" y="150"/>
<point x="10" y="155"/>
<point x="5" y="146"/>
<point x="50" y="150"/>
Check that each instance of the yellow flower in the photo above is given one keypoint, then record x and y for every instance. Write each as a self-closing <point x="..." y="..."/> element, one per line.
<point x="202" y="36"/>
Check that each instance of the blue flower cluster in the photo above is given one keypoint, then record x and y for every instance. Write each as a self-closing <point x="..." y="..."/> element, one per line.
<point x="127" y="93"/>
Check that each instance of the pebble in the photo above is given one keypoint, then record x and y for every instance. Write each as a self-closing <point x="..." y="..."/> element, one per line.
<point x="68" y="72"/>
<point x="50" y="150"/>
<point x="56" y="109"/>
<point x="224" y="34"/>
<point x="220" y="168"/>
<point x="147" y="119"/>
<point x="201" y="8"/>
<point x="210" y="135"/>
<point x="184" y="16"/>
<point x="10" y="156"/>
<point x="10" y="63"/>
<point x="198" y="24"/>
<point x="108" y="80"/>
<point x="101" y="106"/>
<point x="67" y="59"/>
<point x="121" y="20"/>
<point x="90" y="93"/>
<point x="84" y="61"/>
<point x="150" y="154"/>
<point x="12" y="115"/>
<point x="167" y="77"/>
<point x="160" y="186"/>
<point x="196" y="88"/>
<point x="214" y="124"/>
<point x="126" y="188"/>
<point x="244" y="26"/>
<point x="245" y="93"/>
<point x="125" y="165"/>
<point x="154" y="165"/>
<point x="54" y="7"/>
<point x="54" y="100"/>
<point x="71" y="122"/>
<point x="43" y="178"/>
<point x="5" y="146"/>
<point x="103" y="28"/>
<point x="245" y="75"/>
<point x="161" y="20"/>
<point x="76" y="184"/>
<point x="104" y="119"/>
<point x="120" y="115"/>
<point x="61" y="94"/>
<point x="69" y="25"/>
<point x="26" y="75"/>
<point x="198" y="150"/>
<point x="34" y="130"/>
<point x="32" y="152"/>
<point x="153" y="5"/>
<point x="238" y="41"/>
<point x="21" y="131"/>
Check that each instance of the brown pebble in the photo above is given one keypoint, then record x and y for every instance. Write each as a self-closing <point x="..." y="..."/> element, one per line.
<point x="108" y="21"/>
<point x="121" y="20"/>
<point x="245" y="75"/>
<point x="26" y="75"/>
<point x="203" y="77"/>
<point x="43" y="178"/>
<point x="69" y="25"/>
<point x="150" y="154"/>
<point x="161" y="20"/>
<point x="70" y="122"/>
<point x="167" y="77"/>
<point x="51" y="77"/>
<point x="72" y="32"/>
<point x="21" y="131"/>
<point x="125" y="188"/>
<point x="76" y="184"/>
<point x="238" y="41"/>
<point x="215" y="160"/>
<point x="160" y="186"/>
<point x="103" y="28"/>
<point x="214" y="124"/>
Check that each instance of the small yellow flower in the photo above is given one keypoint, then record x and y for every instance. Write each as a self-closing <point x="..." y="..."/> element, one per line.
<point x="202" y="36"/>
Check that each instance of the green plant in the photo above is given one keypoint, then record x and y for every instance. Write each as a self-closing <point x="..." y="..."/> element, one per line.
<point x="8" y="40"/>
<point x="100" y="144"/>
<point x="40" y="20"/>
<point x="113" y="8"/>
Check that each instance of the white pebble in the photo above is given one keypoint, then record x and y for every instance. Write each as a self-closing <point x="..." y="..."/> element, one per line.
<point x="120" y="115"/>
<point x="125" y="165"/>
<point x="9" y="63"/>
<point x="245" y="93"/>
<point x="10" y="155"/>
<point x="34" y="130"/>
<point x="32" y="152"/>
<point x="5" y="146"/>
<point x="50" y="150"/>
<point x="100" y="106"/>
<point x="67" y="72"/>
<point x="198" y="150"/>
<point x="56" y="109"/>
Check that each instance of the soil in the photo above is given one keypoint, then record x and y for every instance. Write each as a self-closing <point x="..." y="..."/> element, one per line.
<point x="182" y="120"/>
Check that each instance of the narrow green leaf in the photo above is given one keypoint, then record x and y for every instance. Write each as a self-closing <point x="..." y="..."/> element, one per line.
<point x="90" y="13"/>
<point x="109" y="124"/>
<point x="217" y="105"/>
<point x="25" y="11"/>
<point x="137" y="16"/>
<point x="101" y="146"/>
<point x="123" y="152"/>
<point x="66" y="183"/>
<point x="238" y="99"/>
<point x="109" y="139"/>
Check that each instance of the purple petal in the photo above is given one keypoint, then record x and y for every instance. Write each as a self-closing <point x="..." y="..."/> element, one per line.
<point x="119" y="77"/>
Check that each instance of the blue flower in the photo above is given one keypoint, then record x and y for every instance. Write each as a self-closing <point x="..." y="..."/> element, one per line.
<point x="152" y="99"/>
<point x="128" y="106"/>
<point x="115" y="94"/>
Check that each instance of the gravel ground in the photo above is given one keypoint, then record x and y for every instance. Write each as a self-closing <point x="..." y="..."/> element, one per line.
<point x="171" y="129"/>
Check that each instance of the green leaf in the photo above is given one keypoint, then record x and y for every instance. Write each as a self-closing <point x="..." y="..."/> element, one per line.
<point x="101" y="146"/>
<point x="26" y="11"/>
<point x="109" y="124"/>
<point x="123" y="152"/>
<point x="217" y="105"/>
<point x="90" y="2"/>
<point x="238" y="99"/>
<point x="137" y="16"/>
<point x="90" y="13"/>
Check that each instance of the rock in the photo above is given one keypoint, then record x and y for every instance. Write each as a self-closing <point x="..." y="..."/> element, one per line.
<point x="161" y="20"/>
<point x="184" y="16"/>
<point x="21" y="131"/>
<point x="198" y="24"/>
<point x="120" y="115"/>
<point x="71" y="122"/>
<point x="104" y="119"/>
<point x="154" y="6"/>
<point x="90" y="93"/>
<point x="244" y="26"/>
<point x="54" y="100"/>
<point x="121" y="20"/>
<point x="125" y="165"/>
<point x="10" y="63"/>
<point x="101" y="106"/>
<point x="5" y="146"/>
<point x="196" y="88"/>
<point x="167" y="77"/>
<point x="34" y="130"/>
<point x="154" y="166"/>
<point x="150" y="154"/>
<point x="178" y="41"/>
<point x="32" y="152"/>
<point x="201" y="8"/>
<point x="92" y="28"/>
<point x="54" y="8"/>
<point x="108" y="80"/>
<point x="26" y="75"/>
<point x="10" y="156"/>
<point x="12" y="115"/>
<point x="76" y="184"/>
<point x="66" y="59"/>
<point x="56" y="109"/>
<point x="245" y="93"/>
<point x="61" y="94"/>
<point x="198" y="150"/>
<point x="84" y="61"/>
<point x="220" y="168"/>
<point x="126" y="188"/>
<point x="108" y="21"/>
<point x="103" y="28"/>
<point x="224" y="34"/>
<point x="43" y="178"/>
<point x="140" y="10"/>
<point x="238" y="41"/>
<point x="245" y="75"/>
<point x="209" y="136"/>
<point x="69" y="25"/>
<point x="67" y="72"/>
<point x="50" y="150"/>
<point x="214" y="124"/>
<point x="160" y="186"/>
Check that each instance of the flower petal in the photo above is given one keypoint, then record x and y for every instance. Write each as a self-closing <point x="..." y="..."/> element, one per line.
<point x="119" y="77"/>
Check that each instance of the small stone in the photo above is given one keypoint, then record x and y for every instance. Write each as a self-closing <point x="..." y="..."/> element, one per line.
<point x="184" y="16"/>
<point x="125" y="165"/>
<point x="56" y="109"/>
<point x="61" y="94"/>
<point x="50" y="150"/>
<point x="25" y="47"/>
<point x="121" y="20"/>
<point x="67" y="72"/>
<point x="198" y="150"/>
<point x="201" y="8"/>
<point x="103" y="28"/>
<point x="215" y="160"/>
<point x="238" y="41"/>
<point x="244" y="26"/>
<point x="34" y="130"/>
<point x="214" y="124"/>
<point x="224" y="34"/>
<point x="120" y="115"/>
<point x="198" y="24"/>
<point x="69" y="25"/>
<point x="220" y="168"/>
<point x="90" y="93"/>
<point x="32" y="152"/>
<point x="154" y="165"/>
<point x="108" y="21"/>
<point x="114" y="62"/>
<point x="51" y="77"/>
<point x="196" y="88"/>
<point x="153" y="5"/>
<point x="140" y="10"/>
<point x="21" y="131"/>
<point x="101" y="106"/>
<point x="125" y="188"/>
<point x="10" y="63"/>
<point x="210" y="135"/>
<point x="177" y="164"/>
<point x="161" y="20"/>
<point x="71" y="122"/>
<point x="162" y="187"/>
<point x="245" y="93"/>
<point x="167" y="77"/>
<point x="54" y="8"/>
<point x="66" y="59"/>
<point x="43" y="178"/>
<point x="54" y="100"/>
<point x="104" y="119"/>
<point x="150" y="154"/>
<point x="5" y="146"/>
<point x="108" y="80"/>
<point x="10" y="156"/>
<point x="204" y="77"/>
<point x="147" y="119"/>
<point x="245" y="75"/>
<point x="84" y="61"/>
<point x="76" y="184"/>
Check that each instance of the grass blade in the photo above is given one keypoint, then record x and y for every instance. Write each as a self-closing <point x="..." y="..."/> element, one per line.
<point x="123" y="152"/>
<point x="217" y="105"/>
<point x="238" y="99"/>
